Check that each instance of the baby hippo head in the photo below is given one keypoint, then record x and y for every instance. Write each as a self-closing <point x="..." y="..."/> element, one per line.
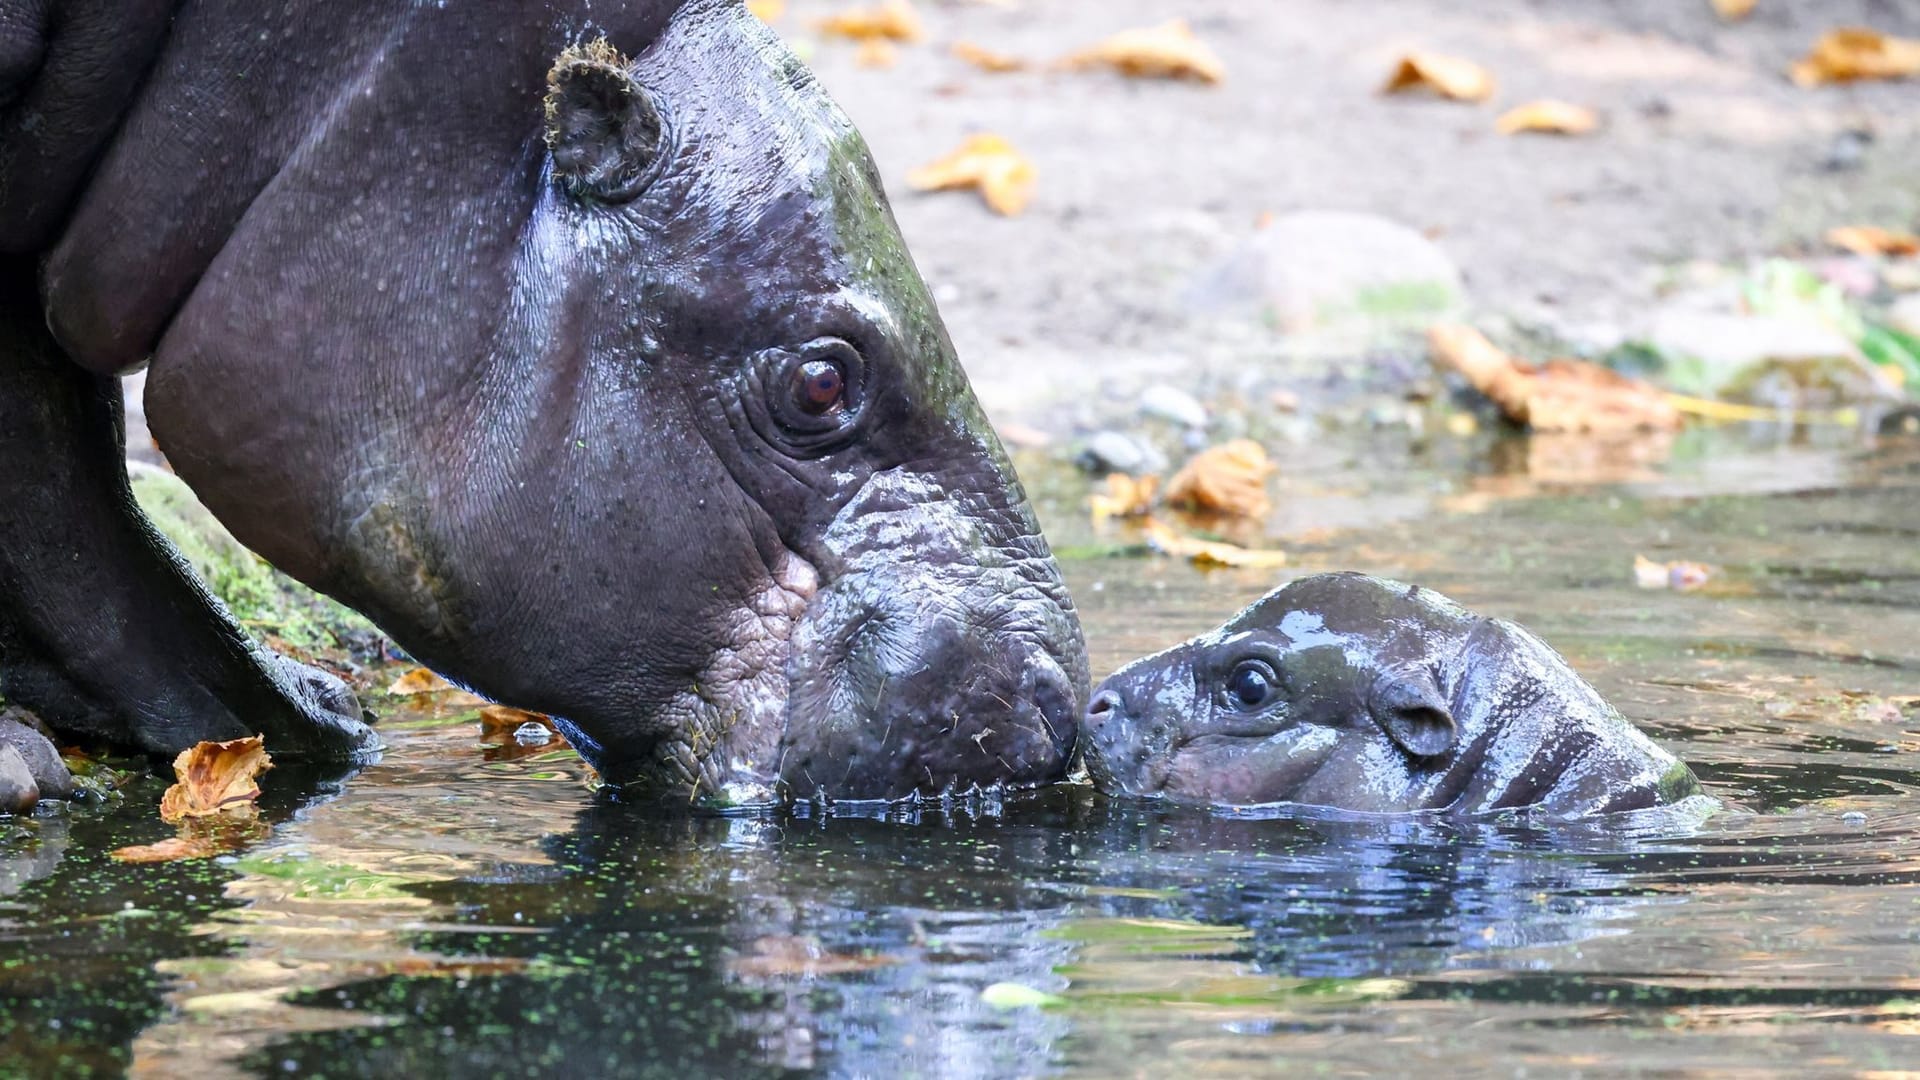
<point x="1327" y="691"/>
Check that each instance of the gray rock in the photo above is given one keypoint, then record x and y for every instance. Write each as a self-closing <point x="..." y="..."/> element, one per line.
<point x="18" y="792"/>
<point x="50" y="774"/>
<point x="1316" y="270"/>
<point x="1113" y="451"/>
<point x="1174" y="405"/>
<point x="1737" y="355"/>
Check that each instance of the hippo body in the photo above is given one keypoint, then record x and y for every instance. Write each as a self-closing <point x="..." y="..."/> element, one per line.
<point x="1362" y="694"/>
<point x="571" y="341"/>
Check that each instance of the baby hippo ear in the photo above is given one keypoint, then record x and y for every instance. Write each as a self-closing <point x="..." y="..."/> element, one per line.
<point x="1409" y="707"/>
<point x="602" y="129"/>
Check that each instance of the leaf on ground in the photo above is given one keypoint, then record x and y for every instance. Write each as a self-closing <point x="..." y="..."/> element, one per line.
<point x="781" y="956"/>
<point x="1680" y="576"/>
<point x="505" y="719"/>
<point x="894" y="20"/>
<point x="1549" y="118"/>
<point x="1873" y="240"/>
<point x="418" y="681"/>
<point x="1447" y="76"/>
<point x="877" y="53"/>
<point x="767" y="10"/>
<point x="1560" y="395"/>
<point x="1126" y="496"/>
<point x="985" y="162"/>
<point x="1733" y="10"/>
<point x="1209" y="552"/>
<point x="987" y="59"/>
<point x="215" y="777"/>
<point x="1228" y="479"/>
<point x="1167" y="51"/>
<point x="1851" y="53"/>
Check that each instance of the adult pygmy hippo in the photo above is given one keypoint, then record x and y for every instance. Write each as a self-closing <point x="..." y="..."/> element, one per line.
<point x="572" y="341"/>
<point x="1353" y="692"/>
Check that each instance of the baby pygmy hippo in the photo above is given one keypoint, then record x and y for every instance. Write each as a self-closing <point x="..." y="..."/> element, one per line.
<point x="1349" y="691"/>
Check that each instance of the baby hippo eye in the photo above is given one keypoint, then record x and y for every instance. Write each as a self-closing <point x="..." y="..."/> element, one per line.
<point x="819" y="388"/>
<point x="1251" y="683"/>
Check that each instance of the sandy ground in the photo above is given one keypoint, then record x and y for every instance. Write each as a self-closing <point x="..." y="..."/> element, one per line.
<point x="1709" y="152"/>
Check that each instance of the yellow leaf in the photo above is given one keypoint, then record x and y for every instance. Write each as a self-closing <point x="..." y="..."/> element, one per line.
<point x="1167" y="51"/>
<point x="1559" y="395"/>
<point x="877" y="53"/>
<point x="767" y="10"/>
<point x="1852" y="53"/>
<point x="418" y="681"/>
<point x="1126" y="496"/>
<point x="1733" y="10"/>
<point x="1208" y="552"/>
<point x="894" y="20"/>
<point x="986" y="162"/>
<point x="1549" y="117"/>
<point x="1447" y="76"/>
<point x="1872" y="240"/>
<point x="986" y="60"/>
<point x="1229" y="479"/>
<point x="215" y="776"/>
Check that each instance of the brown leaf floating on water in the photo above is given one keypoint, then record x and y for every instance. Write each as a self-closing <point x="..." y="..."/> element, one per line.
<point x="215" y="777"/>
<point x="1851" y="54"/>
<point x="1167" y="51"/>
<point x="894" y="20"/>
<point x="1126" y="496"/>
<point x="986" y="59"/>
<point x="505" y="719"/>
<point x="1873" y="240"/>
<point x="985" y="162"/>
<point x="1549" y="118"/>
<point x="1560" y="395"/>
<point x="198" y="838"/>
<point x="1209" y="552"/>
<point x="1447" y="76"/>
<point x="1227" y="479"/>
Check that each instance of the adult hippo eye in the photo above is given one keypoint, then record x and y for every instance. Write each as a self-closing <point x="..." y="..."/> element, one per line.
<point x="819" y="388"/>
<point x="1251" y="683"/>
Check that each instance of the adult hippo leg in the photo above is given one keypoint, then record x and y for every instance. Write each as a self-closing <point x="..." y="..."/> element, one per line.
<point x="104" y="629"/>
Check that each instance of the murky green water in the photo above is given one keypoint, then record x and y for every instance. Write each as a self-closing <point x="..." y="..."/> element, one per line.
<point x="456" y="910"/>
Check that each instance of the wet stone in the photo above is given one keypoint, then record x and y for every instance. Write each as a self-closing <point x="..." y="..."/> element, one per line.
<point x="50" y="774"/>
<point x="18" y="793"/>
<point x="1174" y="405"/>
<point x="1113" y="451"/>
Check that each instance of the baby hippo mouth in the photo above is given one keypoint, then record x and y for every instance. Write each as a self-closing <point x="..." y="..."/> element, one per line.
<point x="902" y="686"/>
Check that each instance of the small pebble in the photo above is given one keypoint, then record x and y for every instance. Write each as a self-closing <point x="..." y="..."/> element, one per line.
<point x="1112" y="451"/>
<point x="1173" y="405"/>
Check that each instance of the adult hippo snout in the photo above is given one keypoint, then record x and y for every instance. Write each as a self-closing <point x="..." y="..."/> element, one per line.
<point x="959" y="664"/>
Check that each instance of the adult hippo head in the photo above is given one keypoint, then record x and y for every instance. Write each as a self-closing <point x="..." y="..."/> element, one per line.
<point x="576" y="345"/>
<point x="1362" y="694"/>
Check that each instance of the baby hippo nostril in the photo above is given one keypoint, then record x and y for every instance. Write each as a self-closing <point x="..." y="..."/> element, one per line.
<point x="1106" y="705"/>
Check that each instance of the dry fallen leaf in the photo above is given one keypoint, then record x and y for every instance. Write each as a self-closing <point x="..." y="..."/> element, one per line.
<point x="505" y="719"/>
<point x="1853" y="53"/>
<point x="1447" y="76"/>
<point x="986" y="59"/>
<point x="1167" y="51"/>
<point x="212" y="777"/>
<point x="1733" y="10"/>
<point x="1560" y="395"/>
<point x="1550" y="118"/>
<point x="894" y="20"/>
<point x="1126" y="496"/>
<point x="767" y="10"/>
<point x="418" y="681"/>
<point x="1229" y="479"/>
<point x="987" y="162"/>
<point x="1679" y="576"/>
<point x="1872" y="240"/>
<point x="877" y="53"/>
<point x="1208" y="552"/>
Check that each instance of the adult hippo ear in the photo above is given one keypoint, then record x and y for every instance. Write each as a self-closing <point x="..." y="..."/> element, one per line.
<point x="602" y="129"/>
<point x="1409" y="706"/>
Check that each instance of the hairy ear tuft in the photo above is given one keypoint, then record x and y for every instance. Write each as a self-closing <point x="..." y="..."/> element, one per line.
<point x="602" y="129"/>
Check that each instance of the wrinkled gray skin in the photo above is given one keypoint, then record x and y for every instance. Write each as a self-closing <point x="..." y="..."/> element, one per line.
<point x="1362" y="694"/>
<point x="496" y="334"/>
